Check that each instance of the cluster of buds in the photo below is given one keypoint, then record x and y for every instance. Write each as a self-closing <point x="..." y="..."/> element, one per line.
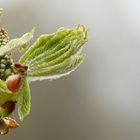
<point x="4" y="38"/>
<point x="6" y="62"/>
<point x="6" y="67"/>
<point x="13" y="82"/>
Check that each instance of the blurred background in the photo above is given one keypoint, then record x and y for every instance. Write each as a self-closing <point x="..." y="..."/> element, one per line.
<point x="101" y="99"/>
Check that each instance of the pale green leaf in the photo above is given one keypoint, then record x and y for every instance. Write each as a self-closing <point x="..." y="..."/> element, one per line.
<point x="3" y="87"/>
<point x="2" y="112"/>
<point x="16" y="43"/>
<point x="24" y="99"/>
<point x="52" y="54"/>
<point x="60" y="69"/>
<point x="44" y="43"/>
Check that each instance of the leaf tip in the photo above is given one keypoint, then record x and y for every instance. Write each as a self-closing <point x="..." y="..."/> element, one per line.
<point x="83" y="29"/>
<point x="33" y="30"/>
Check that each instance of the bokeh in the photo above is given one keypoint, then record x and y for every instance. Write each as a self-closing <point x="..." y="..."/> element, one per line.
<point x="101" y="99"/>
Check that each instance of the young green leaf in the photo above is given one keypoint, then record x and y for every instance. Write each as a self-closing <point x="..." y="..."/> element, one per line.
<point x="43" y="44"/>
<point x="2" y="112"/>
<point x="58" y="70"/>
<point x="3" y="88"/>
<point x="51" y="55"/>
<point x="24" y="99"/>
<point x="17" y="43"/>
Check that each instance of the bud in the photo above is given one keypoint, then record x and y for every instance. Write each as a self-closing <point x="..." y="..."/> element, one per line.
<point x="13" y="82"/>
<point x="3" y="37"/>
<point x="2" y="66"/>
<point x="8" y="107"/>
<point x="7" y="73"/>
<point x="6" y="124"/>
<point x="6" y="62"/>
<point x="20" y="67"/>
<point x="11" y="123"/>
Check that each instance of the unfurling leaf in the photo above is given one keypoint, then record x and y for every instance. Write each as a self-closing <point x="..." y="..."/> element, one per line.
<point x="55" y="55"/>
<point x="17" y="43"/>
<point x="60" y="69"/>
<point x="24" y="100"/>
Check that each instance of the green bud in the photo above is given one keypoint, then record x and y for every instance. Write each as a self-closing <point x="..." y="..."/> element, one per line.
<point x="8" y="72"/>
<point x="7" y="57"/>
<point x="1" y="70"/>
<point x="3" y="61"/>
<point x="2" y="66"/>
<point x="9" y="63"/>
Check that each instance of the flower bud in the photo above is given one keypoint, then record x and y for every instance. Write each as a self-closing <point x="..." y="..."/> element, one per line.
<point x="8" y="107"/>
<point x="11" y="123"/>
<point x="6" y="124"/>
<point x="3" y="37"/>
<point x="13" y="82"/>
